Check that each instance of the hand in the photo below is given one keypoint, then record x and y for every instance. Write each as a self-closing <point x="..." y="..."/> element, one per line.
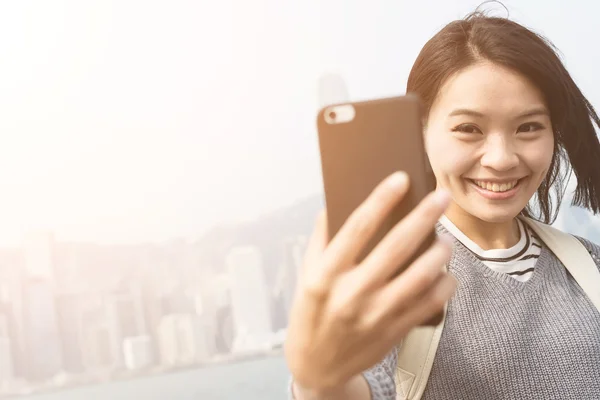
<point x="347" y="316"/>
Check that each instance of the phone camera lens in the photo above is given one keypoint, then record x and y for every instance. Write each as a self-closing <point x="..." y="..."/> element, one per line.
<point x="332" y="115"/>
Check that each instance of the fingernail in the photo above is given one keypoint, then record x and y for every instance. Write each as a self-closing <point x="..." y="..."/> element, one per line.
<point x="399" y="179"/>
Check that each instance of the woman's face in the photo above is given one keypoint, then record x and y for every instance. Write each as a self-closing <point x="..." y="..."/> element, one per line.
<point x="490" y="142"/>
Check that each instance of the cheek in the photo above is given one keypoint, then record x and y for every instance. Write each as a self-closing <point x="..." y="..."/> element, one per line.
<point x="448" y="157"/>
<point x="539" y="156"/>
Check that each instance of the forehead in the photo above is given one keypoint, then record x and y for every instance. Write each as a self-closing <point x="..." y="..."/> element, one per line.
<point x="488" y="88"/>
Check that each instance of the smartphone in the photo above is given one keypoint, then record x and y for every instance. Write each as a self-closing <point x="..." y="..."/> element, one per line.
<point x="362" y="143"/>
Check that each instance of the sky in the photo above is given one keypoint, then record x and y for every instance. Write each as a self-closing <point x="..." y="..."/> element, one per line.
<point x="126" y="121"/>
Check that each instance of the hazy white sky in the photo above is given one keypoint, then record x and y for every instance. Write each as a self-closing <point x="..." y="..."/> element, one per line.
<point x="128" y="120"/>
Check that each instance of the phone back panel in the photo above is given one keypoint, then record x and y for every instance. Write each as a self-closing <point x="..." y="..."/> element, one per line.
<point x="383" y="137"/>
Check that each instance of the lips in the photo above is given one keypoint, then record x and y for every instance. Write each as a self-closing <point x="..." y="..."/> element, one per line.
<point x="497" y="187"/>
<point x="497" y="190"/>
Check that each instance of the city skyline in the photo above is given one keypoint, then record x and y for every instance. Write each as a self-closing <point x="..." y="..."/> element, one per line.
<point x="74" y="314"/>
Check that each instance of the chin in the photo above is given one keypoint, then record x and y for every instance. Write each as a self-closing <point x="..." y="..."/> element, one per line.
<point x="496" y="216"/>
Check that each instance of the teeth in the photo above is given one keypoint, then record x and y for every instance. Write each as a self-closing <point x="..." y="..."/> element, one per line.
<point x="495" y="187"/>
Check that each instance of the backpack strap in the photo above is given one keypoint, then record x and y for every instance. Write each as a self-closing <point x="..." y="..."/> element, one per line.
<point x="417" y="351"/>
<point x="574" y="256"/>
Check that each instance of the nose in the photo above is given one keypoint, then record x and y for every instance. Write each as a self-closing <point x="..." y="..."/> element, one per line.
<point x="500" y="154"/>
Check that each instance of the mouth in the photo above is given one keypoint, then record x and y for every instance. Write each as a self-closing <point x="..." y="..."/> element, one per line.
<point x="497" y="190"/>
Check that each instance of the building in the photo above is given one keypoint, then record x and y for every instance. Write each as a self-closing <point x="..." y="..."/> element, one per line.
<point x="43" y="342"/>
<point x="69" y="309"/>
<point x="126" y="319"/>
<point x="100" y="348"/>
<point x="138" y="352"/>
<point x="225" y="330"/>
<point x="40" y="324"/>
<point x="287" y="279"/>
<point x="7" y="370"/>
<point x="216" y="312"/>
<point x="250" y="299"/>
<point x="9" y="329"/>
<point x="181" y="340"/>
<point x="205" y="310"/>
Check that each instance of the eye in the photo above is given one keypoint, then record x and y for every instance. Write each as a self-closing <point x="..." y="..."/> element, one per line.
<point x="530" y="127"/>
<point x="467" y="128"/>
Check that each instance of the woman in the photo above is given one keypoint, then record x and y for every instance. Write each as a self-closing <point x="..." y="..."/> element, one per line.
<point x="503" y="122"/>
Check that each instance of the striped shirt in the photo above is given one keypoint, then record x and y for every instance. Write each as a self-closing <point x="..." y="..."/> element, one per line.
<point x="517" y="261"/>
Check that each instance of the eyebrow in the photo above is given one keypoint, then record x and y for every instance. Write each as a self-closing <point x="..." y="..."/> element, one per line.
<point x="472" y="113"/>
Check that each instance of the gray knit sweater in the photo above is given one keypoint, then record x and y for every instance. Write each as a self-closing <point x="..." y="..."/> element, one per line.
<point x="505" y="339"/>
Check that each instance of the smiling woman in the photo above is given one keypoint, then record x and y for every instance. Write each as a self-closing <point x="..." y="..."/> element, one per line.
<point x="504" y="124"/>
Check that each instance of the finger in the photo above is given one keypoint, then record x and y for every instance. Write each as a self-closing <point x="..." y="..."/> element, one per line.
<point x="311" y="291"/>
<point x="431" y="303"/>
<point x="318" y="240"/>
<point x="404" y="239"/>
<point x="362" y="224"/>
<point x="312" y="270"/>
<point x="410" y="286"/>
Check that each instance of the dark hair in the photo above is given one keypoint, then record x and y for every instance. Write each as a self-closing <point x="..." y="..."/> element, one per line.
<point x="498" y="40"/>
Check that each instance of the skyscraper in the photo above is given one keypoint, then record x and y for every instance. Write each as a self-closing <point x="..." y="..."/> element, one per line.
<point x="249" y="299"/>
<point x="7" y="370"/>
<point x="99" y="348"/>
<point x="41" y="330"/>
<point x="181" y="340"/>
<point x="287" y="277"/>
<point x="9" y="329"/>
<point x="40" y="323"/>
<point x="69" y="309"/>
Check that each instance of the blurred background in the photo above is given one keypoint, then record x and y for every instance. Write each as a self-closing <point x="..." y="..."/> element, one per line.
<point x="159" y="177"/>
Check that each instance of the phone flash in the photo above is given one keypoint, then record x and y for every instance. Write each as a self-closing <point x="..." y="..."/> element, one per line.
<point x="339" y="114"/>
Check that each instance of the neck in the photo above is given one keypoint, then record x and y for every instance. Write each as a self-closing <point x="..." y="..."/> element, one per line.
<point x="487" y="235"/>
